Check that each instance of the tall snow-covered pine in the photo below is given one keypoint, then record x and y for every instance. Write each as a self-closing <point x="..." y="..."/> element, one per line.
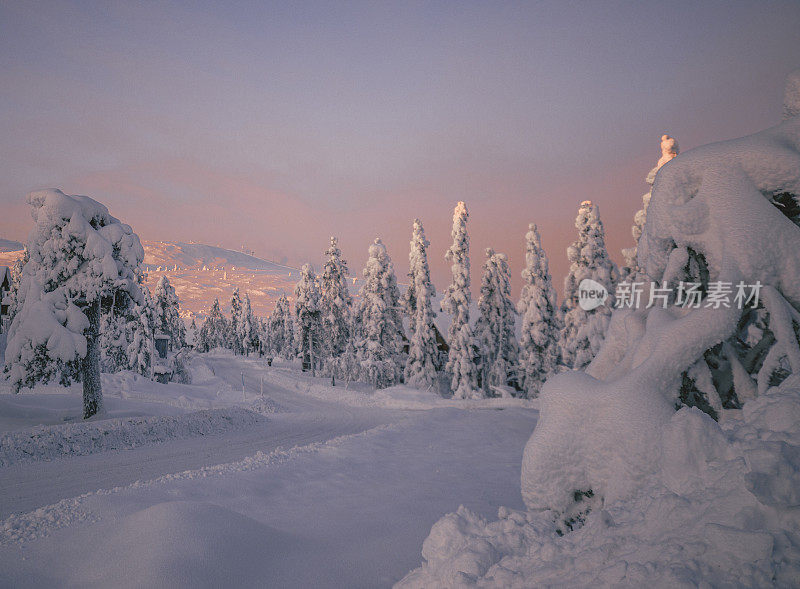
<point x="420" y="370"/>
<point x="247" y="329"/>
<point x="335" y="303"/>
<point x="309" y="321"/>
<point x="541" y="325"/>
<point x="214" y="333"/>
<point x="494" y="330"/>
<point x="584" y="331"/>
<point x="380" y="340"/>
<point x="233" y="341"/>
<point x="168" y="317"/>
<point x="460" y="367"/>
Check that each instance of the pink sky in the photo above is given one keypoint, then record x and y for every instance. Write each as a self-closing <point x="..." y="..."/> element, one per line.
<point x="274" y="126"/>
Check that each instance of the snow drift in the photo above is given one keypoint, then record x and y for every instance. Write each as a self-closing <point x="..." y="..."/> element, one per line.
<point x="49" y="442"/>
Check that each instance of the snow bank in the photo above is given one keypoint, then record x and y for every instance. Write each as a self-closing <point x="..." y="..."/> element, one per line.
<point x="719" y="508"/>
<point x="358" y="394"/>
<point x="406" y="397"/>
<point x="76" y="439"/>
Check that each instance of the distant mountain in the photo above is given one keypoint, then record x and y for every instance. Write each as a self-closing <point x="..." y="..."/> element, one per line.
<point x="7" y="245"/>
<point x="189" y="255"/>
<point x="202" y="272"/>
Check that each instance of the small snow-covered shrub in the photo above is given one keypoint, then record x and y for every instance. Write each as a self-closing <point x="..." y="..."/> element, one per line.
<point x="180" y="367"/>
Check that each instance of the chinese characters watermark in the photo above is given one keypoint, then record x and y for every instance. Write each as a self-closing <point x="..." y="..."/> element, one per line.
<point x="719" y="294"/>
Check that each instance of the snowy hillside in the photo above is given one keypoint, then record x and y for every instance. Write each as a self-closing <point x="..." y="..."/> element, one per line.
<point x="201" y="272"/>
<point x="191" y="255"/>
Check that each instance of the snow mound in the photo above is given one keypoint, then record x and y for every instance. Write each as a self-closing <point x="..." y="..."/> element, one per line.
<point x="77" y="439"/>
<point x="570" y="451"/>
<point x="720" y="508"/>
<point x="180" y="544"/>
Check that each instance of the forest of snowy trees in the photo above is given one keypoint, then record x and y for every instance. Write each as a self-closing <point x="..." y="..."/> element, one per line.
<point x="71" y="324"/>
<point x="386" y="336"/>
<point x="103" y="318"/>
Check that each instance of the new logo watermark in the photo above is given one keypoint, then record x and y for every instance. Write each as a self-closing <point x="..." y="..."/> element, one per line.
<point x="591" y="294"/>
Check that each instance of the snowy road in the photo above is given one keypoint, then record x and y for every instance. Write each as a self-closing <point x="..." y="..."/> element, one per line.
<point x="306" y="421"/>
<point x="349" y="506"/>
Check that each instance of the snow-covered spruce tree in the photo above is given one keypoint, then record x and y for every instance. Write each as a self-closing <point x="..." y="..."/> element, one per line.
<point x="264" y="336"/>
<point x="494" y="330"/>
<point x="114" y="342"/>
<point x="277" y="336"/>
<point x="247" y="329"/>
<point x="282" y="329"/>
<point x="78" y="254"/>
<point x="141" y="335"/>
<point x="232" y="341"/>
<point x="380" y="338"/>
<point x="168" y="315"/>
<point x="541" y="325"/>
<point x="214" y="333"/>
<point x="723" y="216"/>
<point x="669" y="150"/>
<point x="13" y="295"/>
<point x="309" y="320"/>
<point x="460" y="368"/>
<point x="335" y="305"/>
<point x="423" y="352"/>
<point x="584" y="331"/>
<point x="192" y="334"/>
<point x="289" y="331"/>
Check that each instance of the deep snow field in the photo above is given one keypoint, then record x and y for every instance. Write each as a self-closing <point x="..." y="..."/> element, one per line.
<point x="206" y="485"/>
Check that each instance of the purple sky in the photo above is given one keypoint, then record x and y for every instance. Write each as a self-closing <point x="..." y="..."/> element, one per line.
<point x="276" y="126"/>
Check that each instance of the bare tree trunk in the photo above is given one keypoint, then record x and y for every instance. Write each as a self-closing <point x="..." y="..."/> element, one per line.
<point x="90" y="365"/>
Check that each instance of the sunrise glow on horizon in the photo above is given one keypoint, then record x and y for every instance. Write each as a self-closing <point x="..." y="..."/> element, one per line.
<point x="273" y="127"/>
